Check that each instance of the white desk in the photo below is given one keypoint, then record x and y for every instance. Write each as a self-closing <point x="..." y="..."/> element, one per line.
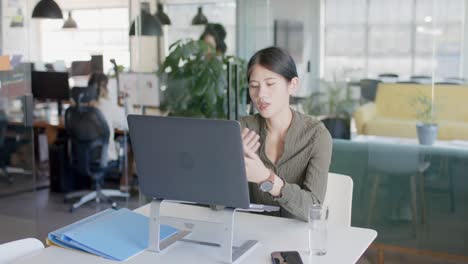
<point x="346" y="244"/>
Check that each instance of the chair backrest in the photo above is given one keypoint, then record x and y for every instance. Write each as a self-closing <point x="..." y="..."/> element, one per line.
<point x="89" y="135"/>
<point x="407" y="82"/>
<point x="83" y="94"/>
<point x="388" y="75"/>
<point x="448" y="83"/>
<point x="369" y="88"/>
<point x="456" y="79"/>
<point x="425" y="79"/>
<point x="12" y="251"/>
<point x="384" y="155"/>
<point x="420" y="77"/>
<point x="339" y="199"/>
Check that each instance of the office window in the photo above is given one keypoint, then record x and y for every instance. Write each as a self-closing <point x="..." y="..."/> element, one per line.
<point x="100" y="31"/>
<point x="377" y="36"/>
<point x="345" y="23"/>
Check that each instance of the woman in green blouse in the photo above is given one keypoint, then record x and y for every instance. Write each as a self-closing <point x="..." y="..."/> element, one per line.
<point x="287" y="154"/>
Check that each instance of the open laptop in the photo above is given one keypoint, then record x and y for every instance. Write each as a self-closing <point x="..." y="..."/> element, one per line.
<point x="191" y="160"/>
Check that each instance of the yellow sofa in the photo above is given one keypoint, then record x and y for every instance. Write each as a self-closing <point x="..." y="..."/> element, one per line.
<point x="394" y="115"/>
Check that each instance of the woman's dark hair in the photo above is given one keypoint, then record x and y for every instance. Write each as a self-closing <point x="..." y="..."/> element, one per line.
<point x="274" y="59"/>
<point x="96" y="80"/>
<point x="219" y="34"/>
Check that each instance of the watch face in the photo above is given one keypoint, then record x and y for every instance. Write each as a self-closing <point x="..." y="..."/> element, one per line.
<point x="266" y="186"/>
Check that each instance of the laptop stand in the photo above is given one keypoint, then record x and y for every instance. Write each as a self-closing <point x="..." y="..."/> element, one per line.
<point x="223" y="228"/>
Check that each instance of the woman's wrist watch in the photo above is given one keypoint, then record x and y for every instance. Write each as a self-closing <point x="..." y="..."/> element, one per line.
<point x="267" y="185"/>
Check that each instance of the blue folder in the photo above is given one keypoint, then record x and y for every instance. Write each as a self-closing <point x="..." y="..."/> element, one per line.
<point x="113" y="234"/>
<point x="57" y="236"/>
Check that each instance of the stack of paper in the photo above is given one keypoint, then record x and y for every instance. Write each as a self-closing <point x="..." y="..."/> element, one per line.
<point x="113" y="234"/>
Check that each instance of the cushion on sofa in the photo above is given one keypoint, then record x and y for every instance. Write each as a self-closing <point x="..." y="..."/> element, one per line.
<point x="397" y="101"/>
<point x="450" y="130"/>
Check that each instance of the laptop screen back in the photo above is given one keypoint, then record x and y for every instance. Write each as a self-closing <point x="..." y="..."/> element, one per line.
<point x="187" y="159"/>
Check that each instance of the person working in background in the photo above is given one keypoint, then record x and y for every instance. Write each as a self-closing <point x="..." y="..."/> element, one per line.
<point x="214" y="36"/>
<point x="114" y="115"/>
<point x="287" y="154"/>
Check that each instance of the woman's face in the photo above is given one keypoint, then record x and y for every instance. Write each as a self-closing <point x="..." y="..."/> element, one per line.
<point x="103" y="92"/>
<point x="270" y="91"/>
<point x="210" y="40"/>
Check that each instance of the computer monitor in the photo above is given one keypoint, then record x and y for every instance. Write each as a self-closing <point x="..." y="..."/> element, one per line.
<point x="80" y="68"/>
<point x="50" y="85"/>
<point x="97" y="63"/>
<point x="189" y="159"/>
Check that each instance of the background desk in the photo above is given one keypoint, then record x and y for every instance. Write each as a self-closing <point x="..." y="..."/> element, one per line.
<point x="51" y="126"/>
<point x="346" y="245"/>
<point x="48" y="134"/>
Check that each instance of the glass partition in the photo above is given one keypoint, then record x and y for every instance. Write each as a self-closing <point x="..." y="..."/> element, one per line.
<point x="405" y="151"/>
<point x="186" y="68"/>
<point x="379" y="74"/>
<point x="18" y="178"/>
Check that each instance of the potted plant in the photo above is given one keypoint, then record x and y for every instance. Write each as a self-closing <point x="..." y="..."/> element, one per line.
<point x="334" y="106"/>
<point x="194" y="81"/>
<point x="427" y="127"/>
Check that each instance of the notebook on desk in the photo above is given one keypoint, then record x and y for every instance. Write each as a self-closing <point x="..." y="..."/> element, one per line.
<point x="112" y="234"/>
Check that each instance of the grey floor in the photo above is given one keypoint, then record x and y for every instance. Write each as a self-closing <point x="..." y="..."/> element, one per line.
<point x="38" y="213"/>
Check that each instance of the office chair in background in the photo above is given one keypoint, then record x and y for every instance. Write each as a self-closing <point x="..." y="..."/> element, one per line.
<point x="423" y="79"/>
<point x="388" y="77"/>
<point x="398" y="181"/>
<point x="89" y="139"/>
<point x="368" y="90"/>
<point x="339" y="199"/>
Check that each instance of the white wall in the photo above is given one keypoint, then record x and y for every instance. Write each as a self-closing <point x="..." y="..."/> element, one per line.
<point x="307" y="12"/>
<point x="464" y="59"/>
<point x="254" y="27"/>
<point x="255" y="31"/>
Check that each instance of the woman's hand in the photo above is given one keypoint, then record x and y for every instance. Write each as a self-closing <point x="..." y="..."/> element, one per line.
<point x="254" y="167"/>
<point x="256" y="170"/>
<point x="250" y="140"/>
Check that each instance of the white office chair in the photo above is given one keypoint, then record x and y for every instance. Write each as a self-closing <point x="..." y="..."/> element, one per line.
<point x="339" y="199"/>
<point x="15" y="250"/>
<point x="391" y="162"/>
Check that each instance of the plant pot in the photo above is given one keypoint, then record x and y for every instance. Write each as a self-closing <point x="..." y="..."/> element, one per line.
<point x="338" y="127"/>
<point x="427" y="133"/>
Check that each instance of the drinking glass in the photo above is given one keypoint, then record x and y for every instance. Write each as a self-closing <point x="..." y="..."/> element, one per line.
<point x="317" y="225"/>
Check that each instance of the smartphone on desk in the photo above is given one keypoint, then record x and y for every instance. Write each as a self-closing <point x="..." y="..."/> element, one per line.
<point x="286" y="257"/>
